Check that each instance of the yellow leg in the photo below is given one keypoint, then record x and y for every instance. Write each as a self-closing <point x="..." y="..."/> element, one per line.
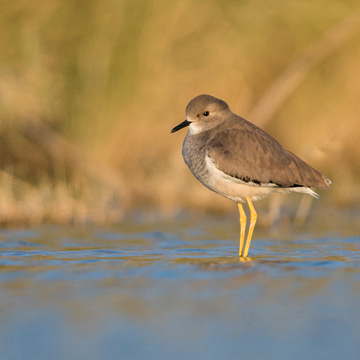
<point x="253" y="217"/>
<point x="242" y="228"/>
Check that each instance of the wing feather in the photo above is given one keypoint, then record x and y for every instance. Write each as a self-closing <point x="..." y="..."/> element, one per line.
<point x="251" y="155"/>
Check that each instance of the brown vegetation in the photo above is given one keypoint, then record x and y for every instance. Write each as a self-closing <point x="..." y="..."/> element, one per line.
<point x="90" y="90"/>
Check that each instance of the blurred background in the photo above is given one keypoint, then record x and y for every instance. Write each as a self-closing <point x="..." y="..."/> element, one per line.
<point x="89" y="91"/>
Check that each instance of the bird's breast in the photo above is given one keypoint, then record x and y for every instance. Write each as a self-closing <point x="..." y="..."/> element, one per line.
<point x="203" y="168"/>
<point x="194" y="153"/>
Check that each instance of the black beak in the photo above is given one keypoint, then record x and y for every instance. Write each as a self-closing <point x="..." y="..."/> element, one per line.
<point x="180" y="126"/>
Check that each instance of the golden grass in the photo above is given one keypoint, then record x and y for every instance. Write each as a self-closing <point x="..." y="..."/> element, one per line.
<point x="89" y="92"/>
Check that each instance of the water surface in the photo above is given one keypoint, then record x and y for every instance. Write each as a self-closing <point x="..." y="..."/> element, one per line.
<point x="178" y="291"/>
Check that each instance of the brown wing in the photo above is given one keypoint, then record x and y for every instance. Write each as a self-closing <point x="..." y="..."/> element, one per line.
<point x="250" y="154"/>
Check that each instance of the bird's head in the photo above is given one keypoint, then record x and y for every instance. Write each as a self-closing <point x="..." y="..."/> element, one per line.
<point x="203" y="113"/>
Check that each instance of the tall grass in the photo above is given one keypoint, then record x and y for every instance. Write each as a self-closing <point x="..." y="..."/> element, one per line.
<point x="90" y="90"/>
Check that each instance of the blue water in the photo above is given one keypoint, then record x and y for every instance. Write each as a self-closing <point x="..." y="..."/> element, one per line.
<point x="177" y="291"/>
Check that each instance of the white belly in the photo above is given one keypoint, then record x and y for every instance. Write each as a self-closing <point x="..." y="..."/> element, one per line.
<point x="238" y="190"/>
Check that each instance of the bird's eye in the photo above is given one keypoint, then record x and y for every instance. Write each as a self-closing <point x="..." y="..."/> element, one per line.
<point x="206" y="113"/>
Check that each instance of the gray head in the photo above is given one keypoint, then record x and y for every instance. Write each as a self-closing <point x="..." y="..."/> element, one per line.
<point x="203" y="113"/>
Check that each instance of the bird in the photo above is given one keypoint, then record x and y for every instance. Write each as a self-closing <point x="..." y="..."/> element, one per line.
<point x="238" y="160"/>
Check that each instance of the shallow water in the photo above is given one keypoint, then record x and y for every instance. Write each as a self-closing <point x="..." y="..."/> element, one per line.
<point x="178" y="291"/>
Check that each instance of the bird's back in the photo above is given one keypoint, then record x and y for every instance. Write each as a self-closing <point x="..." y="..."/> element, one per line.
<point x="242" y="150"/>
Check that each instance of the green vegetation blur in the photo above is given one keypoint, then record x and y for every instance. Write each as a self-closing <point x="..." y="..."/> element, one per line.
<point x="89" y="91"/>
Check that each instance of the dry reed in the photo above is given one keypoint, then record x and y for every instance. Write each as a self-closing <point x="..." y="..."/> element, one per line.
<point x="90" y="91"/>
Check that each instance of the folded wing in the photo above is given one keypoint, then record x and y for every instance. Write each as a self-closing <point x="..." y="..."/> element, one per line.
<point x="251" y="155"/>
